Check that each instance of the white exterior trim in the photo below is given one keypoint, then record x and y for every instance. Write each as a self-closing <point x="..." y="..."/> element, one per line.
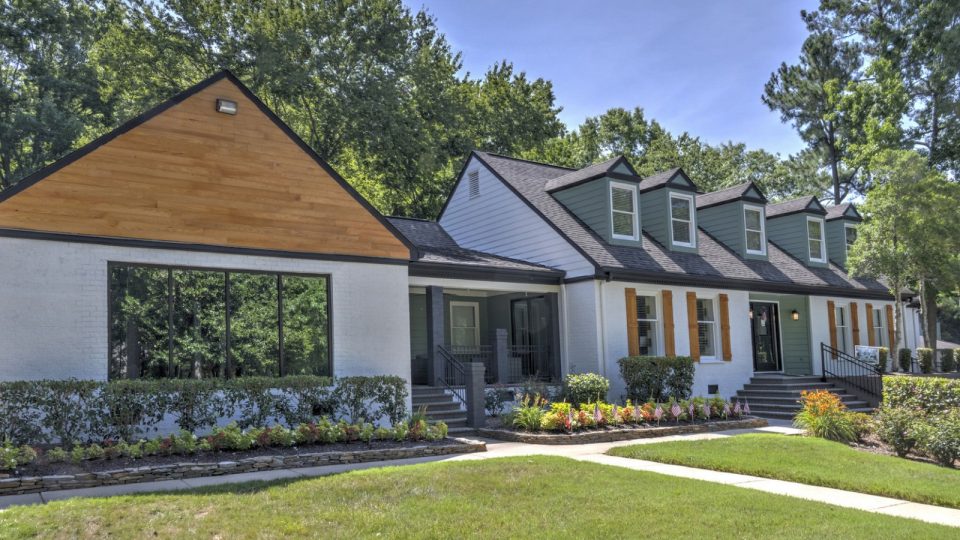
<point x="823" y="244"/>
<point x="632" y="188"/>
<point x="691" y="224"/>
<point x="763" y="229"/>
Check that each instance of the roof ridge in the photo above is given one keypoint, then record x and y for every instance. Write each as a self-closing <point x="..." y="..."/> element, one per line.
<point x="534" y="162"/>
<point x="413" y="219"/>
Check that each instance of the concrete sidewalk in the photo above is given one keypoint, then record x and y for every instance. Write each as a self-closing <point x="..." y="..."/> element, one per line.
<point x="594" y="453"/>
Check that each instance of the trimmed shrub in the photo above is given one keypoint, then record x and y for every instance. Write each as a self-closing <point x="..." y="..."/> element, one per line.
<point x="899" y="427"/>
<point x="824" y="415"/>
<point x="585" y="388"/>
<point x="883" y="356"/>
<point x="948" y="363"/>
<point x="940" y="438"/>
<point x="903" y="358"/>
<point x="657" y="378"/>
<point x="925" y="357"/>
<point x="930" y="395"/>
<point x="75" y="411"/>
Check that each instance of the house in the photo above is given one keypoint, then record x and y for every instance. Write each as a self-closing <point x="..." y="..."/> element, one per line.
<point x="205" y="239"/>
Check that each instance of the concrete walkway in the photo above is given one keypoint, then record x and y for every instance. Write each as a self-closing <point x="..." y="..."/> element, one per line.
<point x="594" y="453"/>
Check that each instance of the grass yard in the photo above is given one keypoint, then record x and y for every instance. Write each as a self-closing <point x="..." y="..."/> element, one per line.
<point x="512" y="497"/>
<point x="810" y="461"/>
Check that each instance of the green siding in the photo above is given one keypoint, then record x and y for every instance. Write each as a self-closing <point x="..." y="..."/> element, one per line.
<point x="418" y="325"/>
<point x="837" y="241"/>
<point x="591" y="203"/>
<point x="795" y="335"/>
<point x="725" y="223"/>
<point x="653" y="212"/>
<point x="790" y="233"/>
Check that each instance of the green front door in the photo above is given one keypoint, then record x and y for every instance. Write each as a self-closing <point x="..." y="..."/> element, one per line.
<point x="765" y="330"/>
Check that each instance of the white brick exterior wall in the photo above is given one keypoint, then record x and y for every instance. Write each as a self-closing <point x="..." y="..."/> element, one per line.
<point x="53" y="307"/>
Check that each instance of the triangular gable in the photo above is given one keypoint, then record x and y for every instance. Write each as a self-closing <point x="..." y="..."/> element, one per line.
<point x="186" y="174"/>
<point x="752" y="193"/>
<point x="815" y="206"/>
<point x="623" y="166"/>
<point x="680" y="179"/>
<point x="851" y="213"/>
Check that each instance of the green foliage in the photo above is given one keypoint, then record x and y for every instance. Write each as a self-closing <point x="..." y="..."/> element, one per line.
<point x="657" y="378"/>
<point x="12" y="456"/>
<point x="931" y="395"/>
<point x="72" y="410"/>
<point x="898" y="427"/>
<point x="585" y="388"/>
<point x="940" y="437"/>
<point x="529" y="413"/>
<point x="494" y="400"/>
<point x="904" y="359"/>
<point x="925" y="357"/>
<point x="824" y="415"/>
<point x="948" y="362"/>
<point x="883" y="357"/>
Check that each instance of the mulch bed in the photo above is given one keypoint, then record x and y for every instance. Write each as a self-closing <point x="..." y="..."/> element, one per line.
<point x="870" y="443"/>
<point x="495" y="430"/>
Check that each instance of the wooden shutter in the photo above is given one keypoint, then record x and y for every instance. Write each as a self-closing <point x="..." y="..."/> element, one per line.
<point x="725" y="327"/>
<point x="633" y="329"/>
<point x="832" y="321"/>
<point x="890" y="333"/>
<point x="871" y="341"/>
<point x="692" y="326"/>
<point x="854" y="324"/>
<point x="666" y="299"/>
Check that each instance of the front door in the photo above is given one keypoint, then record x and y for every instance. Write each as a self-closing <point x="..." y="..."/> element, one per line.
<point x="765" y="329"/>
<point x="531" y="334"/>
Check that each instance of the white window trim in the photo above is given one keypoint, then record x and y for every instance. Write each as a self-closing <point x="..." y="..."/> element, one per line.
<point x="476" y="318"/>
<point x="878" y="315"/>
<point x="692" y="224"/>
<point x="763" y="229"/>
<point x="846" y="245"/>
<point x="843" y="330"/>
<point x="657" y="322"/>
<point x="636" y="211"/>
<point x="715" y="324"/>
<point x="823" y="246"/>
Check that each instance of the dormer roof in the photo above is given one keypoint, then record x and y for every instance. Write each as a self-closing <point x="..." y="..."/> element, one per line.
<point x="808" y="204"/>
<point x="590" y="172"/>
<point x="674" y="177"/>
<point x="844" y="211"/>
<point x="747" y="191"/>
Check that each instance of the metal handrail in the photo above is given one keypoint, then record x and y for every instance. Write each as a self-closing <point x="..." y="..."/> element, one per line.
<point x="453" y="377"/>
<point x="851" y="371"/>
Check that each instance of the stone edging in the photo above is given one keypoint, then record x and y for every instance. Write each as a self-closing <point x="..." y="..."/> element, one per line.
<point x="621" y="434"/>
<point x="20" y="485"/>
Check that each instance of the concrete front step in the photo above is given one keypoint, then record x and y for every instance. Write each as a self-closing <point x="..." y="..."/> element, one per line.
<point x="763" y="400"/>
<point x="789" y="386"/>
<point x="436" y="405"/>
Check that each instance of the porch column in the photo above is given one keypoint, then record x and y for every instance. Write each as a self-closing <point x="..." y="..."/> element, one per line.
<point x="476" y="394"/>
<point x="435" y="336"/>
<point x="501" y="355"/>
<point x="553" y="300"/>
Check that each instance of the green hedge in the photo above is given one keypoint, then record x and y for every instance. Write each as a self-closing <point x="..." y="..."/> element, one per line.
<point x="931" y="395"/>
<point x="657" y="378"/>
<point x="948" y="360"/>
<point x="925" y="358"/>
<point x="903" y="358"/>
<point x="585" y="388"/>
<point x="33" y="412"/>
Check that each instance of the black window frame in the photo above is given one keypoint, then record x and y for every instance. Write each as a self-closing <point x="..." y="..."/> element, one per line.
<point x="227" y="271"/>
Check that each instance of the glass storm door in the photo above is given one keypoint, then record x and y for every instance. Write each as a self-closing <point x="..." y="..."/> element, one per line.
<point x="764" y="326"/>
<point x="531" y="334"/>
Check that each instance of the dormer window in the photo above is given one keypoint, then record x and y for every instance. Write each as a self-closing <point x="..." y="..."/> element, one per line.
<point x="623" y="211"/>
<point x="682" y="227"/>
<point x="815" y="241"/>
<point x="753" y="224"/>
<point x="850" y="236"/>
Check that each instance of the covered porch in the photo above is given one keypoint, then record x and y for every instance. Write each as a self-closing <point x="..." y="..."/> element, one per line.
<point x="512" y="329"/>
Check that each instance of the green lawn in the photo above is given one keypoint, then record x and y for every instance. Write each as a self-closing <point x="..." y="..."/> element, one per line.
<point x="810" y="461"/>
<point x="514" y="497"/>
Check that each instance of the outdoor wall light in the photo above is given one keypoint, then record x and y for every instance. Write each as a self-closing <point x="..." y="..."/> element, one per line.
<point x="226" y="106"/>
<point x="795" y="315"/>
<point x="751" y="312"/>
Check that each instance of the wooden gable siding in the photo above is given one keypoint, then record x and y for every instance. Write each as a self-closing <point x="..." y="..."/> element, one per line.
<point x="192" y="175"/>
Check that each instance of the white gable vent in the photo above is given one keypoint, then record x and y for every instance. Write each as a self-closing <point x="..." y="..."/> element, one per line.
<point x="473" y="178"/>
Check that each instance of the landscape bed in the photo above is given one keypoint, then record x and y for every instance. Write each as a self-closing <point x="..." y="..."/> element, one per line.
<point x="40" y="476"/>
<point x="618" y="433"/>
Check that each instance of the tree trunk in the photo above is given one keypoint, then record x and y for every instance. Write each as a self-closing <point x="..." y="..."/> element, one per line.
<point x="835" y="172"/>
<point x="898" y="342"/>
<point x="928" y="307"/>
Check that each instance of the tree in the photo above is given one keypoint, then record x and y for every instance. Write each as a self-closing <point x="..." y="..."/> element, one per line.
<point x="908" y="234"/>
<point x="808" y="95"/>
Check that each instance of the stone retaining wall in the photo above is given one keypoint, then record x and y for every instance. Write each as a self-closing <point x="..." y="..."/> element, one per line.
<point x="619" y="434"/>
<point x="34" y="484"/>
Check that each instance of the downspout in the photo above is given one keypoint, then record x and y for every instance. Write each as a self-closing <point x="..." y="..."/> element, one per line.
<point x="603" y="327"/>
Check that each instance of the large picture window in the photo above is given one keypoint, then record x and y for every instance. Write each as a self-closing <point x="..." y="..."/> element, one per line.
<point x="168" y="322"/>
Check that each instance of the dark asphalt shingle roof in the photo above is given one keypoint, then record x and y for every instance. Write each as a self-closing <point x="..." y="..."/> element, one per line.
<point x="577" y="176"/>
<point x="436" y="246"/>
<point x="714" y="260"/>
<point x="723" y="195"/>
<point x="837" y="211"/>
<point x="789" y="207"/>
<point x="658" y="179"/>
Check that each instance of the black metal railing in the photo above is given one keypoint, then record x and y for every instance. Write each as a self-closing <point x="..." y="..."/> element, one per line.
<point x="530" y="362"/>
<point x="453" y="376"/>
<point x="850" y="371"/>
<point x="480" y="353"/>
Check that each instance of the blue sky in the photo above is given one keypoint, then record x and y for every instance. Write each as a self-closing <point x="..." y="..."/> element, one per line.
<point x="694" y="65"/>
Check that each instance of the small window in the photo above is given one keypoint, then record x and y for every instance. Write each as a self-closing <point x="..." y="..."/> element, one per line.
<point x="706" y="328"/>
<point x="473" y="177"/>
<point x="681" y="220"/>
<point x="753" y="224"/>
<point x="850" y="235"/>
<point x="815" y="240"/>
<point x="623" y="211"/>
<point x="879" y="335"/>
<point x="843" y="338"/>
<point x="647" y="325"/>
<point x="465" y="325"/>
